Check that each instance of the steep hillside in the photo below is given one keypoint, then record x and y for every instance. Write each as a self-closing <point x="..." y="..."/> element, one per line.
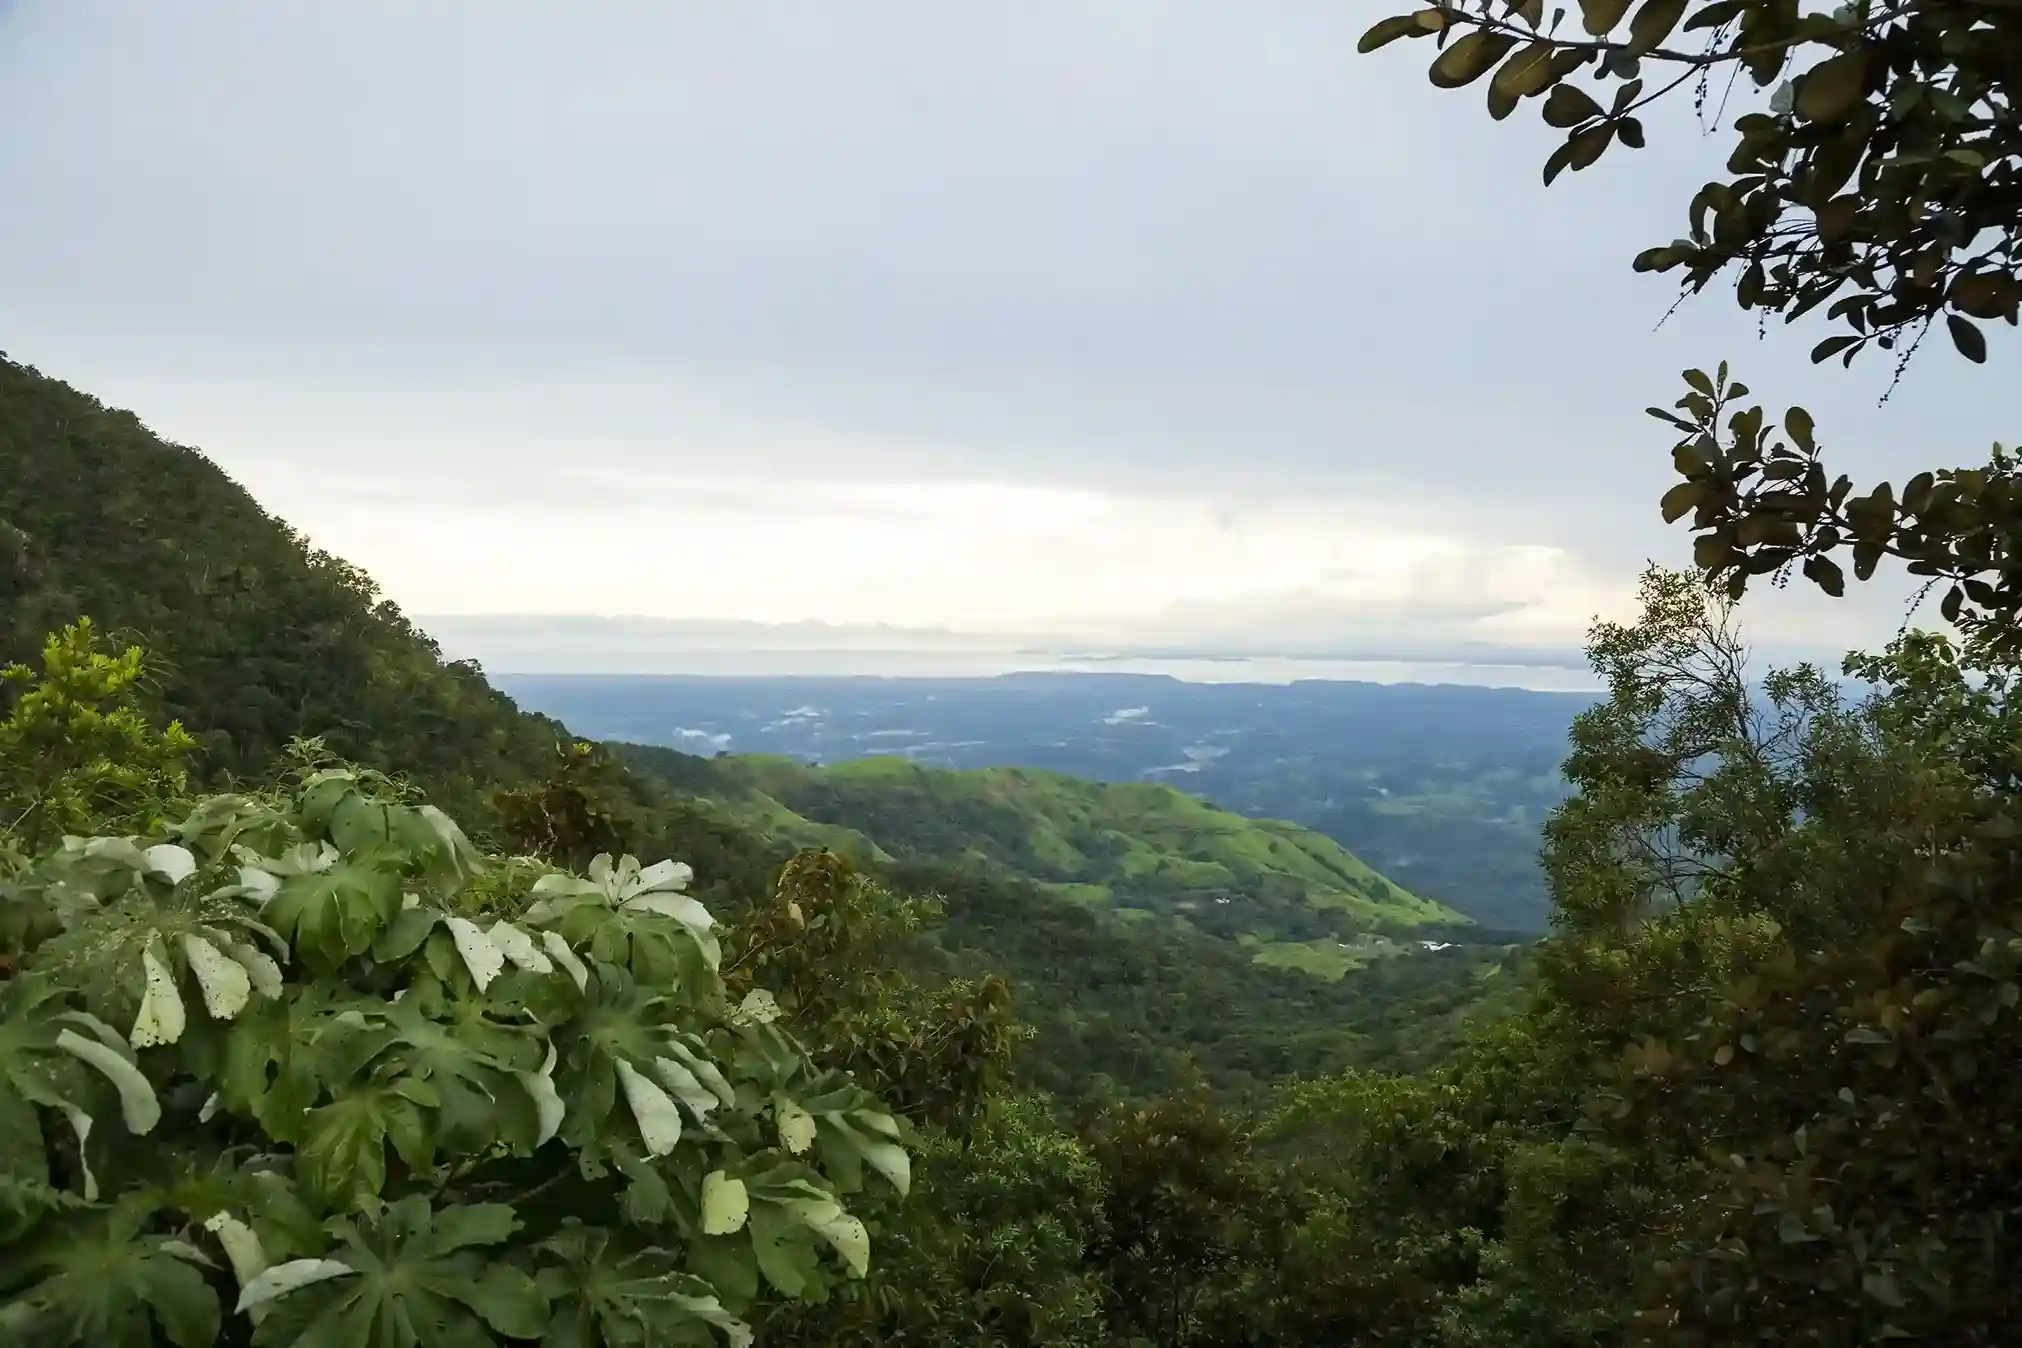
<point x="1290" y="895"/>
<point x="257" y="636"/>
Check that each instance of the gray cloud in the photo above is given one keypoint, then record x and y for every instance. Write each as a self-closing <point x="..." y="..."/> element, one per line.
<point x="1256" y="640"/>
<point x="496" y="250"/>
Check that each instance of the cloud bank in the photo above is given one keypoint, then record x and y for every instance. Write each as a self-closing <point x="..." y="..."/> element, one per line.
<point x="1139" y="323"/>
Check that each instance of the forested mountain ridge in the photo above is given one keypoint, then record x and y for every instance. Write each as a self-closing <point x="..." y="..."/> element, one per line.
<point x="1287" y="895"/>
<point x="254" y="636"/>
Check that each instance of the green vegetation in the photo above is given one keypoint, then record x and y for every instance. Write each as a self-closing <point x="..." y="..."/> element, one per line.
<point x="396" y="1094"/>
<point x="1880" y="175"/>
<point x="1880" y="182"/>
<point x="1131" y="845"/>
<point x="1758" y="1085"/>
<point x="255" y="638"/>
<point x="1441" y="789"/>
<point x="1165" y="965"/>
<point x="76" y="751"/>
<point x="1710" y="1106"/>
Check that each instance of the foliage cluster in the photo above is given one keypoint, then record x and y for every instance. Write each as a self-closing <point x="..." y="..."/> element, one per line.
<point x="1879" y="174"/>
<point x="75" y="748"/>
<point x="378" y="1112"/>
<point x="1761" y="1092"/>
<point x="1138" y="845"/>
<point x="392" y="1088"/>
<point x="1882" y="180"/>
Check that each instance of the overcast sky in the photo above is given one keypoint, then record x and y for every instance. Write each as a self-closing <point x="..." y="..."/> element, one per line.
<point x="1174" y="321"/>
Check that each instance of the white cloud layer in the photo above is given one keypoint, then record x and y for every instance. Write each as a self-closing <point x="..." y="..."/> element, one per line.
<point x="969" y="557"/>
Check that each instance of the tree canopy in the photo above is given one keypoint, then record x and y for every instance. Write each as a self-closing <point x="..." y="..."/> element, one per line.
<point x="1881" y="179"/>
<point x="1880" y="176"/>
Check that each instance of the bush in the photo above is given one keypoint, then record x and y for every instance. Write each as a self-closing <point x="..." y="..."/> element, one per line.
<point x="376" y="1118"/>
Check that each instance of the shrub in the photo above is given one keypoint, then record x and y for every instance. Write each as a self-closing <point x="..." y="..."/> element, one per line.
<point x="373" y="1117"/>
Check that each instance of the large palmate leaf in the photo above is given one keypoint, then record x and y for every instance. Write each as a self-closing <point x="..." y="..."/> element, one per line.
<point x="813" y="1108"/>
<point x="281" y="1057"/>
<point x="791" y="1206"/>
<point x="636" y="918"/>
<point x="341" y="1154"/>
<point x="221" y="825"/>
<point x="463" y="1064"/>
<point x="623" y="1297"/>
<point x="419" y="840"/>
<point x="97" y="1279"/>
<point x="333" y="915"/>
<point x="626" y="1049"/>
<point x="852" y="1133"/>
<point x="403" y="1276"/>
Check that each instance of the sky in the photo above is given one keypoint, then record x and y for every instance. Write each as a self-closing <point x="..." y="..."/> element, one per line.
<point x="1165" y="325"/>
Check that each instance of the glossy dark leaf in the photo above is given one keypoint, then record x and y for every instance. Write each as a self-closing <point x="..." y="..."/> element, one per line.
<point x="1972" y="344"/>
<point x="1468" y="59"/>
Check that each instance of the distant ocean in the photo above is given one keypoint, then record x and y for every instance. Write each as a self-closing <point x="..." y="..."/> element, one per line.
<point x="980" y="664"/>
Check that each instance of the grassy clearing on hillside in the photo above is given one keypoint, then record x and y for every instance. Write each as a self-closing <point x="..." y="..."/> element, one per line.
<point x="1323" y="958"/>
<point x="1143" y="843"/>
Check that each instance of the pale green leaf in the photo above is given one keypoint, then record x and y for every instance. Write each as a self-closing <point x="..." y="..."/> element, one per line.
<point x="259" y="884"/>
<point x="292" y="1276"/>
<point x="519" y="947"/>
<point x="658" y="1118"/>
<point x="80" y="1123"/>
<point x="759" y="1007"/>
<point x="711" y="1311"/>
<point x="483" y="958"/>
<point x="261" y="970"/>
<point x="173" y="863"/>
<point x="137" y="1101"/>
<point x="160" y="1019"/>
<point x="541" y="1086"/>
<point x="890" y="1160"/>
<point x="225" y="982"/>
<point x="665" y="875"/>
<point x="827" y="1218"/>
<point x="681" y="1083"/>
<point x="558" y="948"/>
<point x="796" y="1126"/>
<point x="688" y="912"/>
<point x="241" y="1245"/>
<point x="705" y="1071"/>
<point x="725" y="1204"/>
<point x="103" y="1032"/>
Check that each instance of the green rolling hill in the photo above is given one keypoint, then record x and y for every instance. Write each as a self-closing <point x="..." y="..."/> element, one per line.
<point x="1141" y="851"/>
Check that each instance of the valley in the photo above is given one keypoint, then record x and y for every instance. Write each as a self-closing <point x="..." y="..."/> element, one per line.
<point x="1441" y="789"/>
